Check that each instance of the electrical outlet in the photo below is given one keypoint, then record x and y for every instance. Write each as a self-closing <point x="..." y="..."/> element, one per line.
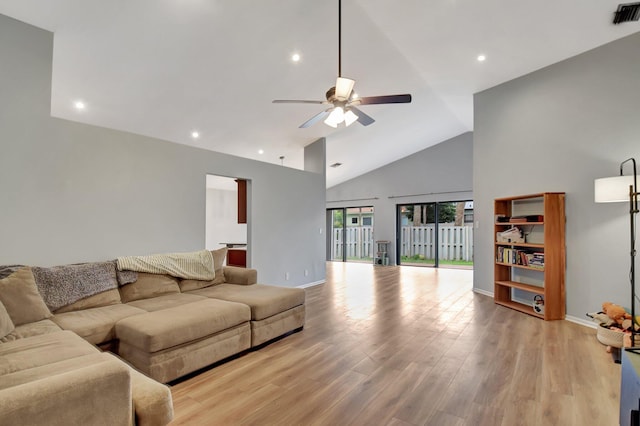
<point x="306" y="272"/>
<point x="286" y="276"/>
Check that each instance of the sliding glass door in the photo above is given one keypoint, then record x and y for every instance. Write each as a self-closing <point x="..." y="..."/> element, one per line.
<point x="350" y="235"/>
<point x="435" y="234"/>
<point x="417" y="234"/>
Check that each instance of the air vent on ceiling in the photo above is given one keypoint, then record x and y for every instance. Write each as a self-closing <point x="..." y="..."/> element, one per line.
<point x="626" y="13"/>
<point x="334" y="165"/>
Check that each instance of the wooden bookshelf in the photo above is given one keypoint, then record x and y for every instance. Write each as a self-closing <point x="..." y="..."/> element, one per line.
<point x="512" y="282"/>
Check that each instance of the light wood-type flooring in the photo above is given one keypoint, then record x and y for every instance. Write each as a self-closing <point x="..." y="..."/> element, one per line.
<point x="399" y="346"/>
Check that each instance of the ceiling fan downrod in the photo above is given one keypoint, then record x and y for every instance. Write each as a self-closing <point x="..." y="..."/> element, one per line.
<point x="339" y="38"/>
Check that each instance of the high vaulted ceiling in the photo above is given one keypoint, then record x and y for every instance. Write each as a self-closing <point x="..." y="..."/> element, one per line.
<point x="164" y="68"/>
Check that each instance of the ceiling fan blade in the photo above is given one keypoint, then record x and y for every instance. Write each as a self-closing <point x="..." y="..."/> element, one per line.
<point x="363" y="118"/>
<point x="313" y="120"/>
<point x="388" y="99"/>
<point x="296" y="101"/>
<point x="344" y="86"/>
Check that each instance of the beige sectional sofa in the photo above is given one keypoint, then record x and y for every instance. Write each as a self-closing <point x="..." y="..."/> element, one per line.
<point x="102" y="359"/>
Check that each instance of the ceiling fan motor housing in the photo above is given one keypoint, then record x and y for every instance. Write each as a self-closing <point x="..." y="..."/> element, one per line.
<point x="331" y="94"/>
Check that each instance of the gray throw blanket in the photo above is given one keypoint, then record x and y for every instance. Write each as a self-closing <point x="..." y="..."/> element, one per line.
<point x="63" y="285"/>
<point x="6" y="270"/>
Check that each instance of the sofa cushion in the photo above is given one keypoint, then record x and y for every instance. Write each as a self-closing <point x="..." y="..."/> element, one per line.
<point x="238" y="275"/>
<point x="19" y="377"/>
<point x="218" y="264"/>
<point x="166" y="301"/>
<point x="20" y="297"/>
<point x="41" y="350"/>
<point x="155" y="331"/>
<point x="31" y="329"/>
<point x="6" y="325"/>
<point x="96" y="325"/>
<point x="264" y="300"/>
<point x="93" y="389"/>
<point x="106" y="298"/>
<point x="149" y="285"/>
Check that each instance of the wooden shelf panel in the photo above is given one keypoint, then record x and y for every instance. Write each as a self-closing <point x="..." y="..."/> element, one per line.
<point x="519" y="307"/>
<point x="514" y="265"/>
<point x="530" y="245"/>
<point x="525" y="197"/>
<point x="522" y="286"/>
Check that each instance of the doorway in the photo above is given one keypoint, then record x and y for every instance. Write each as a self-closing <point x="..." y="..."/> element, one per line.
<point x="350" y="236"/>
<point x="224" y="218"/>
<point x="435" y="234"/>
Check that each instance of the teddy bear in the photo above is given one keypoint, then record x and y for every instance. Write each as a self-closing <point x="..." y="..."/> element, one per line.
<point x="618" y="314"/>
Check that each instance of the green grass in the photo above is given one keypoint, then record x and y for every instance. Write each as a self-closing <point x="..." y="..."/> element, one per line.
<point x="418" y="260"/>
<point x="359" y="259"/>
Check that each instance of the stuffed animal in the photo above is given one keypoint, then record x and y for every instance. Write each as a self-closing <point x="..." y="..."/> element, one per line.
<point x="602" y="319"/>
<point x="616" y="313"/>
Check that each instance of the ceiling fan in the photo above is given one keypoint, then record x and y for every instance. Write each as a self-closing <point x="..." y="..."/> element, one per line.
<point x="344" y="102"/>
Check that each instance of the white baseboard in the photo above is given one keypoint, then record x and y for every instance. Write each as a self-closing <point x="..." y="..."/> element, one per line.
<point x="313" y="284"/>
<point x="585" y="322"/>
<point x="483" y="292"/>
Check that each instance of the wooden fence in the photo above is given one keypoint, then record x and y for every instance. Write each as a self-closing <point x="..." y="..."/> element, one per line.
<point x="358" y="241"/>
<point x="456" y="242"/>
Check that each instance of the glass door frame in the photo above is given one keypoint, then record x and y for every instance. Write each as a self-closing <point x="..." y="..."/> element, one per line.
<point x="330" y="228"/>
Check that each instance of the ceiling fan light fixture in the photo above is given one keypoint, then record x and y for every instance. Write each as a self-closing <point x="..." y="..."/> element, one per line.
<point x="335" y="117"/>
<point x="344" y="86"/>
<point x="349" y="118"/>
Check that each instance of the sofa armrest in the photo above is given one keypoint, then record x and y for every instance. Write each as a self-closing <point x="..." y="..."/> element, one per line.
<point x="95" y="394"/>
<point x="242" y="276"/>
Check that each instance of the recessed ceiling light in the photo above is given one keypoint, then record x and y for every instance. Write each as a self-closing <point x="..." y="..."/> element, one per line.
<point x="79" y="105"/>
<point x="295" y="57"/>
<point x="261" y="151"/>
<point x="481" y="58"/>
<point x="195" y="134"/>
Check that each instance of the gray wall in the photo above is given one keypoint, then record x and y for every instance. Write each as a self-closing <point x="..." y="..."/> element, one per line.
<point x="558" y="129"/>
<point x="442" y="172"/>
<point x="72" y="192"/>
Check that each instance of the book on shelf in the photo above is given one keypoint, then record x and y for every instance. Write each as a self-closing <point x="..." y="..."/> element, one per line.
<point x="500" y="218"/>
<point x="520" y="257"/>
<point x="518" y="220"/>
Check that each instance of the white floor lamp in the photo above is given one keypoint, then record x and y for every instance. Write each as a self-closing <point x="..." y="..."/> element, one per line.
<point x="619" y="189"/>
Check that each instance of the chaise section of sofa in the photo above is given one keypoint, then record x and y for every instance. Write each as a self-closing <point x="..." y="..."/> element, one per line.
<point x="274" y="310"/>
<point x="169" y="343"/>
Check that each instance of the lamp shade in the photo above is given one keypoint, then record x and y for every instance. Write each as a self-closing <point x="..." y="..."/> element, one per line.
<point x="349" y="118"/>
<point x="335" y="117"/>
<point x="612" y="189"/>
<point x="344" y="86"/>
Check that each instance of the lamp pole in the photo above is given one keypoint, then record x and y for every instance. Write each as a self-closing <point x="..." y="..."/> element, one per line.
<point x="633" y="210"/>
